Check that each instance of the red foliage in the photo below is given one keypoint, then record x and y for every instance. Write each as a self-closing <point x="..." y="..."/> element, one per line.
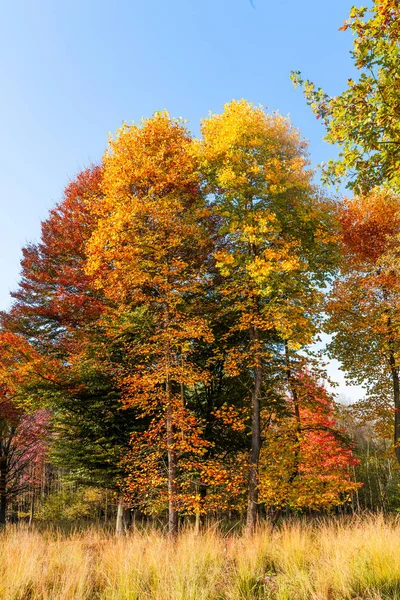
<point x="55" y="294"/>
<point x="306" y="459"/>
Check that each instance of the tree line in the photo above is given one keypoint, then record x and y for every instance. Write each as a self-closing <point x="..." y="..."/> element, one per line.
<point x="161" y="334"/>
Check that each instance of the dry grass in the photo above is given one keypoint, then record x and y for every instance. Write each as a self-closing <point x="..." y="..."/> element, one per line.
<point x="327" y="561"/>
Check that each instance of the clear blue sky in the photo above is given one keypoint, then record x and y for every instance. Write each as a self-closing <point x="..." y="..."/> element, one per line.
<point x="72" y="71"/>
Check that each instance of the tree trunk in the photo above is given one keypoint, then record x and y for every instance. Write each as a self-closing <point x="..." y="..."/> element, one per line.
<point x="396" y="397"/>
<point x="252" y="508"/>
<point x="3" y="490"/>
<point x="119" y="525"/>
<point x="123" y="519"/>
<point x="3" y="509"/>
<point x="396" y="391"/>
<point x="199" y="522"/>
<point x="172" y="468"/>
<point x="357" y="494"/>
<point x="173" y="517"/>
<point x="295" y="398"/>
<point x="32" y="509"/>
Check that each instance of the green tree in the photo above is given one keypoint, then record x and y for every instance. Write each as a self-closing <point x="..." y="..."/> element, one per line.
<point x="364" y="121"/>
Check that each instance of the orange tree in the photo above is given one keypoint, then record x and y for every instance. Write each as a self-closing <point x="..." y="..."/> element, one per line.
<point x="22" y="428"/>
<point x="277" y="245"/>
<point x="149" y="254"/>
<point x="364" y="302"/>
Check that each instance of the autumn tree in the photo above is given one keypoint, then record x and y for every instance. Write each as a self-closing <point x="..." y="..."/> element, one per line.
<point x="149" y="256"/>
<point x="364" y="120"/>
<point x="276" y="249"/>
<point x="369" y="424"/>
<point x="53" y="349"/>
<point x="364" y="301"/>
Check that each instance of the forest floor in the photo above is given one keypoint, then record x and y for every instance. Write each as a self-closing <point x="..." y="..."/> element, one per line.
<point x="357" y="558"/>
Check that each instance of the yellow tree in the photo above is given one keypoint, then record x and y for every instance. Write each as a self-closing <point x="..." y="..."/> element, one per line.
<point x="276" y="244"/>
<point x="149" y="254"/>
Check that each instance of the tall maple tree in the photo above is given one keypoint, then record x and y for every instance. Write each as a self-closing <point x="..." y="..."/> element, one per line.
<point x="54" y="299"/>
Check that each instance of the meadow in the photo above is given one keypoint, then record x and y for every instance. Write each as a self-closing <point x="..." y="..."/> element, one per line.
<point x="356" y="558"/>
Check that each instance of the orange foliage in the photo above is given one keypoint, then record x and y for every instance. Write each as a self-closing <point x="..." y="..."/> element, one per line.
<point x="370" y="224"/>
<point x="149" y="254"/>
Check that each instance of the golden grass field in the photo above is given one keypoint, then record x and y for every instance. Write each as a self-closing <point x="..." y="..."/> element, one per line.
<point x="357" y="558"/>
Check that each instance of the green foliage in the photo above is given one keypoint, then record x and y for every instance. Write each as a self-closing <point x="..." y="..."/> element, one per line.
<point x="369" y="427"/>
<point x="364" y="121"/>
<point x="71" y="503"/>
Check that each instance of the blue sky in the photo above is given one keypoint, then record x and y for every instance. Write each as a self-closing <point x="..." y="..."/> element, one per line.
<point x="72" y="71"/>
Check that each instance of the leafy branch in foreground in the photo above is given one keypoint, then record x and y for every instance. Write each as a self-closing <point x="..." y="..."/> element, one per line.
<point x="364" y="121"/>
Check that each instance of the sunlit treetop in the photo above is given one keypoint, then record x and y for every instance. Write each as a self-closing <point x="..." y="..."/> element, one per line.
<point x="250" y="151"/>
<point x="369" y="225"/>
<point x="277" y="227"/>
<point x="150" y="181"/>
